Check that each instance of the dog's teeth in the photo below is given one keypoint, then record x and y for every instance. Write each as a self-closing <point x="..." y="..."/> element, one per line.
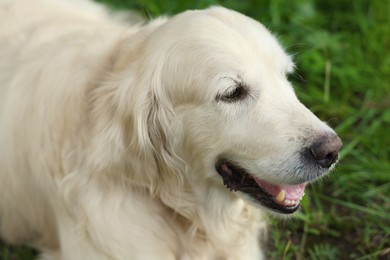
<point x="225" y="168"/>
<point x="281" y="195"/>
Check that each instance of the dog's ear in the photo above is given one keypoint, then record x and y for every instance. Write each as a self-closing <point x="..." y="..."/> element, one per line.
<point x="163" y="131"/>
<point x="132" y="122"/>
<point x="154" y="126"/>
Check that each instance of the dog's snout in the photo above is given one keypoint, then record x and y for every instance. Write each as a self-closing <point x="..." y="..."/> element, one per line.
<point x="324" y="151"/>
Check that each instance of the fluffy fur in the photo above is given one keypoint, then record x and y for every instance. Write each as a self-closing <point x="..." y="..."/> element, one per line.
<point x="109" y="131"/>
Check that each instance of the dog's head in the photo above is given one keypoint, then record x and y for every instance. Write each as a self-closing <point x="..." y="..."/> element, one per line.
<point x="209" y="97"/>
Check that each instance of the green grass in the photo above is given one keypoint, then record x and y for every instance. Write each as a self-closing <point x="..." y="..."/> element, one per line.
<point x="16" y="253"/>
<point x="342" y="51"/>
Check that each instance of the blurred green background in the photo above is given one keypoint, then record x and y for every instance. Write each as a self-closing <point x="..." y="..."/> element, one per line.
<point x="342" y="52"/>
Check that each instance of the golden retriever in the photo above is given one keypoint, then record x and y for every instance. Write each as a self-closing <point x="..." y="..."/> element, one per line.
<point x="164" y="140"/>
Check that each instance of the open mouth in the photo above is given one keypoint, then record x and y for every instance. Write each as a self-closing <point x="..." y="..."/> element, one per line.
<point x="281" y="198"/>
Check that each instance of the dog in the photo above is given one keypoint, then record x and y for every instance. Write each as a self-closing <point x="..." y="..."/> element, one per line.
<point x="169" y="139"/>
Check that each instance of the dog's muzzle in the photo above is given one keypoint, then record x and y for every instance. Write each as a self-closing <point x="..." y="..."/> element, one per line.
<point x="282" y="198"/>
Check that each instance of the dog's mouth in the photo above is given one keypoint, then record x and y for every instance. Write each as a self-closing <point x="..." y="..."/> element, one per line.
<point x="281" y="198"/>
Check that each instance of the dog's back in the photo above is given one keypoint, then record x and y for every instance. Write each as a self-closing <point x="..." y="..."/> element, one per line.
<point x="49" y="53"/>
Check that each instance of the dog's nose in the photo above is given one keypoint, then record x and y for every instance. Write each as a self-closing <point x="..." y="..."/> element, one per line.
<point x="324" y="151"/>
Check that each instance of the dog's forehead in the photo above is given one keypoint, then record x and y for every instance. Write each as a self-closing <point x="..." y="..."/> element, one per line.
<point x="232" y="35"/>
<point x="196" y="49"/>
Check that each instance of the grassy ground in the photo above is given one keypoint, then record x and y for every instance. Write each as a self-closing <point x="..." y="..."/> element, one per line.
<point x="342" y="50"/>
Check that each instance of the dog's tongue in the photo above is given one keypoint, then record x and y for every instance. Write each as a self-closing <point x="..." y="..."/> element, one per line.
<point x="292" y="192"/>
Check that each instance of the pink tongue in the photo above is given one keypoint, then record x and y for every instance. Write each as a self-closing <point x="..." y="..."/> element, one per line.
<point x="293" y="192"/>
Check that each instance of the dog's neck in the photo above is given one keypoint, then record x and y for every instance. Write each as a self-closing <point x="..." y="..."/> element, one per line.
<point x="213" y="214"/>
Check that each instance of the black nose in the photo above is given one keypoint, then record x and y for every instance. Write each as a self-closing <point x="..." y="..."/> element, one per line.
<point x="324" y="151"/>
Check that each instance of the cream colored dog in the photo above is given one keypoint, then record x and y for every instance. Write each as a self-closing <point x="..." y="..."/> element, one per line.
<point x="159" y="141"/>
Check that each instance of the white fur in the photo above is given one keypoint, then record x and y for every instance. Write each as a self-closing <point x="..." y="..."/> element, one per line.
<point x="109" y="132"/>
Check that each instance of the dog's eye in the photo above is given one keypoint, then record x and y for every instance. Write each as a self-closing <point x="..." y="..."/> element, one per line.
<point x="238" y="93"/>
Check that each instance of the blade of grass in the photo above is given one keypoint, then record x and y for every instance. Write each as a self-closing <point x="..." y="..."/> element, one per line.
<point x="354" y="206"/>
